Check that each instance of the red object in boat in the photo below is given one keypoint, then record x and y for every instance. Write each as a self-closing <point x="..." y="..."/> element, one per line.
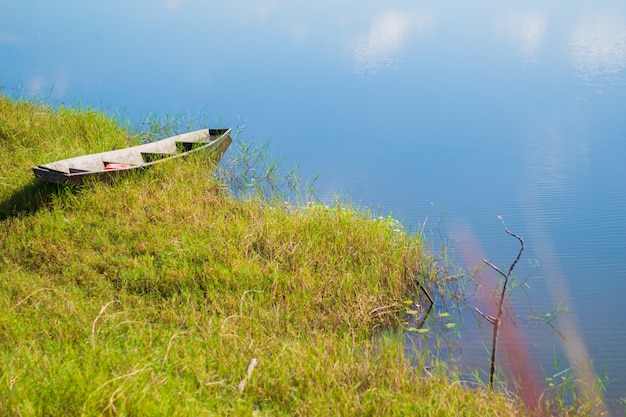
<point x="112" y="166"/>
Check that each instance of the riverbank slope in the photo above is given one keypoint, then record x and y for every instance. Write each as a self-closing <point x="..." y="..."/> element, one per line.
<point x="161" y="294"/>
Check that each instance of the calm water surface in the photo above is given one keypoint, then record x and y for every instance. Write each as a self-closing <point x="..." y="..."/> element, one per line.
<point x="440" y="114"/>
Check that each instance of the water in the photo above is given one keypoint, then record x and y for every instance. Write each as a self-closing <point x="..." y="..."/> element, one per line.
<point x="444" y="115"/>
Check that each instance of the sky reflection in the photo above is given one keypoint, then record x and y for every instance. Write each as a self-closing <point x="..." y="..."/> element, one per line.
<point x="598" y="46"/>
<point x="386" y="40"/>
<point x="370" y="40"/>
<point x="172" y="5"/>
<point x="526" y="31"/>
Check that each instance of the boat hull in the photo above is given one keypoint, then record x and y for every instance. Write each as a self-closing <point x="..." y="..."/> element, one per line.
<point x="111" y="164"/>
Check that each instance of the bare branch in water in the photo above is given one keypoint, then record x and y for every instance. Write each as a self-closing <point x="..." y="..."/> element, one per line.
<point x="490" y="319"/>
<point x="495" y="321"/>
<point x="432" y="303"/>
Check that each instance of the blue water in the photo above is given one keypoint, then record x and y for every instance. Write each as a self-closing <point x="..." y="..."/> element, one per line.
<point x="445" y="115"/>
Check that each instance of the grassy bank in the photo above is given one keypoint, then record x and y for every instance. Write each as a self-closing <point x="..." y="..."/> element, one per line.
<point x="161" y="294"/>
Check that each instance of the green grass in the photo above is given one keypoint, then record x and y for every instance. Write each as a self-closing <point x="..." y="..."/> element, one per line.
<point x="152" y="295"/>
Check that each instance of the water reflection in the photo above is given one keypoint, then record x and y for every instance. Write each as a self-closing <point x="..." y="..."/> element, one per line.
<point x="173" y="5"/>
<point x="598" y="46"/>
<point x="575" y="349"/>
<point x="386" y="40"/>
<point x="555" y="156"/>
<point x="526" y="32"/>
<point x="44" y="83"/>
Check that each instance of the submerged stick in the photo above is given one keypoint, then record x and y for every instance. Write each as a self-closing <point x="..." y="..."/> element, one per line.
<point x="432" y="303"/>
<point x="419" y="284"/>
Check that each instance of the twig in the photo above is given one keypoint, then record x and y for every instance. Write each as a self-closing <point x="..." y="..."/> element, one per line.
<point x="494" y="267"/>
<point x="490" y="319"/>
<point x="432" y="303"/>
<point x="419" y="284"/>
<point x="421" y="324"/>
<point x="497" y="320"/>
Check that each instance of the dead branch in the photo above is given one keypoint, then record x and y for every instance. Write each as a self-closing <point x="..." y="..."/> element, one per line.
<point x="432" y="303"/>
<point x="497" y="320"/>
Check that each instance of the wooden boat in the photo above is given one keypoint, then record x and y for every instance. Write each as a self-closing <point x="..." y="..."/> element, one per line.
<point x="106" y="165"/>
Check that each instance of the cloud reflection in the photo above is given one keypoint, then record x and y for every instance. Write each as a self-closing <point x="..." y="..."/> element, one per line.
<point x="262" y="10"/>
<point x="173" y="5"/>
<point x="40" y="83"/>
<point x="598" y="47"/>
<point x="36" y="85"/>
<point x="526" y="31"/>
<point x="383" y="44"/>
